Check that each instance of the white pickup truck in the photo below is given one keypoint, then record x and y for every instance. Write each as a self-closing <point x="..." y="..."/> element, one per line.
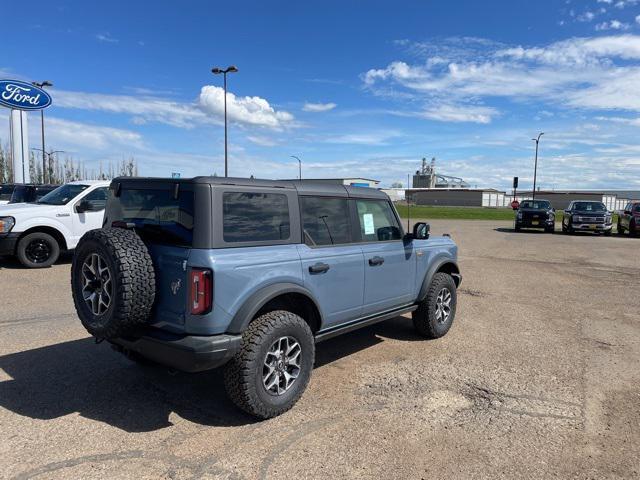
<point x="36" y="233"/>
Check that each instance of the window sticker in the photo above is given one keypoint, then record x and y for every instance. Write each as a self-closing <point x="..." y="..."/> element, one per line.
<point x="368" y="224"/>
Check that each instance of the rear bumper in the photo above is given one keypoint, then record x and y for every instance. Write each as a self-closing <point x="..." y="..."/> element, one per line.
<point x="8" y="243"/>
<point x="185" y="353"/>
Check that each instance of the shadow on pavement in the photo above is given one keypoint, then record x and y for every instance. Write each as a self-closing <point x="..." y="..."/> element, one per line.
<point x="98" y="383"/>
<point x="12" y="262"/>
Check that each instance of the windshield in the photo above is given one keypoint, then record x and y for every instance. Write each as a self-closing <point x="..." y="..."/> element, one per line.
<point x="6" y="191"/>
<point x="589" y="207"/>
<point x="536" y="204"/>
<point x="63" y="194"/>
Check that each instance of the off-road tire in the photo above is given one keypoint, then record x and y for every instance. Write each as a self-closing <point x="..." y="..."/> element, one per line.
<point x="134" y="287"/>
<point x="50" y="242"/>
<point x="243" y="373"/>
<point x="424" y="318"/>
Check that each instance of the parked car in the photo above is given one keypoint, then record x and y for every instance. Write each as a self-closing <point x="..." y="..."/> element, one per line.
<point x="250" y="274"/>
<point x="587" y="216"/>
<point x="629" y="219"/>
<point x="30" y="193"/>
<point x="36" y="233"/>
<point x="536" y="214"/>
<point x="6" y="190"/>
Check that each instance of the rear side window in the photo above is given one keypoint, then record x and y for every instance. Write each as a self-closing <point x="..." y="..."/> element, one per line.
<point x="255" y="217"/>
<point x="377" y="221"/>
<point x="325" y="221"/>
<point x="158" y="216"/>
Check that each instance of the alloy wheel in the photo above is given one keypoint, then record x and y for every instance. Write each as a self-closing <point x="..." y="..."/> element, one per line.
<point x="443" y="306"/>
<point x="281" y="365"/>
<point x="97" y="289"/>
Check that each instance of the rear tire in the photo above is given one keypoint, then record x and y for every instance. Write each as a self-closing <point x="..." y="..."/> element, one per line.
<point x="633" y="229"/>
<point x="38" y="250"/>
<point x="257" y="377"/>
<point x="620" y="228"/>
<point x="112" y="282"/>
<point x="436" y="312"/>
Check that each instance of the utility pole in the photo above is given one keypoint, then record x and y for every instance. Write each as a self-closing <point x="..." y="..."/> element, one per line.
<point x="535" y="168"/>
<point x="46" y="83"/>
<point x="217" y="71"/>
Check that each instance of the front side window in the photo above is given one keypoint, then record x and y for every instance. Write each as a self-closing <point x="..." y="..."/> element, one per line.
<point x="97" y="199"/>
<point x="255" y="217"/>
<point x="377" y="221"/>
<point x="6" y="191"/>
<point x="325" y="221"/>
<point x="63" y="194"/>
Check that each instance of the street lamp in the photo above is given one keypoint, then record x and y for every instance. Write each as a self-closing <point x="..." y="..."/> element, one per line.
<point x="535" y="169"/>
<point x="217" y="71"/>
<point x="49" y="156"/>
<point x="46" y="83"/>
<point x="299" y="166"/>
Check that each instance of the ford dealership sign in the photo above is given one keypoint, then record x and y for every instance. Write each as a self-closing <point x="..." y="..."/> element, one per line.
<point x="23" y="96"/>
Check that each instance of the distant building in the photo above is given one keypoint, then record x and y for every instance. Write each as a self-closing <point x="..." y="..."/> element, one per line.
<point x="427" y="177"/>
<point x="458" y="197"/>
<point x="354" y="182"/>
<point x="560" y="199"/>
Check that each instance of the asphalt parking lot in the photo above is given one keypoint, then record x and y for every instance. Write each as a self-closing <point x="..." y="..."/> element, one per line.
<point x="538" y="378"/>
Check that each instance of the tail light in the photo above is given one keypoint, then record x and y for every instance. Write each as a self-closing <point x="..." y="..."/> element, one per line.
<point x="201" y="291"/>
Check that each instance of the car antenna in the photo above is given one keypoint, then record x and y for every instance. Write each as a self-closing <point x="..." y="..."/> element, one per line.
<point x="408" y="206"/>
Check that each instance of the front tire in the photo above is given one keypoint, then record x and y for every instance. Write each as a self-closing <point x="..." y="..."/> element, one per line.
<point x="620" y="228"/>
<point x="270" y="372"/>
<point x="38" y="250"/>
<point x="436" y="312"/>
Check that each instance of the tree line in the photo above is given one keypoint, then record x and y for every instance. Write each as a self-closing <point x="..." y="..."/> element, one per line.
<point x="62" y="171"/>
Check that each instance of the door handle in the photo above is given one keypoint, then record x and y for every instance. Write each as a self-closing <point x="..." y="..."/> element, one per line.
<point x="375" y="261"/>
<point x="318" y="268"/>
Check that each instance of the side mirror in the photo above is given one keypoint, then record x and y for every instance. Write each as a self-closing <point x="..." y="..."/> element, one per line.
<point x="421" y="231"/>
<point x="84" y="206"/>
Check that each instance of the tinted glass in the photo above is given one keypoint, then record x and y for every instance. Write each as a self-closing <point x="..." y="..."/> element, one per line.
<point x="158" y="216"/>
<point x="97" y="199"/>
<point x="6" y="191"/>
<point x="536" y="204"/>
<point x="23" y="194"/>
<point x="377" y="221"/>
<point x="325" y="220"/>
<point x="63" y="194"/>
<point x="636" y="208"/>
<point x="255" y="217"/>
<point x="589" y="207"/>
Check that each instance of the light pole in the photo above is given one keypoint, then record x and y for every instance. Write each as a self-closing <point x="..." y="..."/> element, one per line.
<point x="49" y="156"/>
<point x="535" y="168"/>
<point x="46" y="83"/>
<point x="217" y="71"/>
<point x="299" y="166"/>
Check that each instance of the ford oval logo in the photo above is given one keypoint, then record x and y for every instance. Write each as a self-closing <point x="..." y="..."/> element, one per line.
<point x="23" y="96"/>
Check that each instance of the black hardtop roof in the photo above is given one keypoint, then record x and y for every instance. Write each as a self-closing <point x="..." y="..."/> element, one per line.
<point x="303" y="187"/>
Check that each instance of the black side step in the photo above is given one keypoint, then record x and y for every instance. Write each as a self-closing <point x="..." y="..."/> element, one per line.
<point x="362" y="322"/>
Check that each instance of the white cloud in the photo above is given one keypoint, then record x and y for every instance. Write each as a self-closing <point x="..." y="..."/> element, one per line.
<point x="106" y="38"/>
<point x="262" y="141"/>
<point x="209" y="107"/>
<point x="68" y="135"/>
<point x="245" y="110"/>
<point x="612" y="25"/>
<point x="586" y="16"/>
<point x="460" y="113"/>
<point x="638" y="19"/>
<point x="592" y="73"/>
<point x="374" y="138"/>
<point x="318" y="107"/>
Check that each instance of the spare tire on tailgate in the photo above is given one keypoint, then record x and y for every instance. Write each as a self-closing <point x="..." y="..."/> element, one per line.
<point x="113" y="282"/>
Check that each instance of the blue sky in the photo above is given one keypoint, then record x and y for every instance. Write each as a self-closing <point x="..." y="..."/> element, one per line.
<point x="352" y="88"/>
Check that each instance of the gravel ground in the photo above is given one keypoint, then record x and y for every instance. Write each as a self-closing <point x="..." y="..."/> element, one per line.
<point x="538" y="378"/>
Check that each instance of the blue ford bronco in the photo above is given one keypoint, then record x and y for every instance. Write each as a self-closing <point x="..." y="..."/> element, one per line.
<point x="250" y="274"/>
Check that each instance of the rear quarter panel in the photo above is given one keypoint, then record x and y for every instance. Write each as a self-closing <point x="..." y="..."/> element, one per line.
<point x="430" y="255"/>
<point x="238" y="273"/>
